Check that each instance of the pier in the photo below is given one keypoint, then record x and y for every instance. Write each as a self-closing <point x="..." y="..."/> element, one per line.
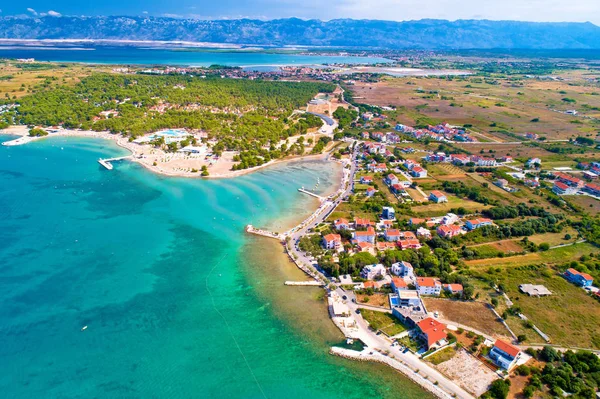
<point x="265" y="233"/>
<point x="305" y="283"/>
<point x="107" y="162"/>
<point x="305" y="191"/>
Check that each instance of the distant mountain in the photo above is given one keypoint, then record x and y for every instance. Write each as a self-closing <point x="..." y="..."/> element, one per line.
<point x="423" y="34"/>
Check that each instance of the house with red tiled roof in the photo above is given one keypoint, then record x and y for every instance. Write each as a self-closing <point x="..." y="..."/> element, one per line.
<point x="561" y="188"/>
<point x="570" y="181"/>
<point x="438" y="197"/>
<point x="579" y="278"/>
<point x="477" y="223"/>
<point x="366" y="179"/>
<point x="418" y="171"/>
<point x="428" y="286"/>
<point x="504" y="354"/>
<point x="383" y="246"/>
<point x="453" y="288"/>
<point x="366" y="247"/>
<point x="392" y="235"/>
<point x="432" y="332"/>
<point x="365" y="236"/>
<point x="332" y="241"/>
<point x="449" y="231"/>
<point x="593" y="189"/>
<point x="359" y="222"/>
<point x="399" y="284"/>
<point x="410" y="243"/>
<point x="342" y="224"/>
<point x="371" y="191"/>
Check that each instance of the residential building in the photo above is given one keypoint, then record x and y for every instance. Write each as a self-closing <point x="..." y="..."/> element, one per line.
<point x="370" y="191"/>
<point x="449" y="231"/>
<point x="477" y="223"/>
<point x="418" y="171"/>
<point x="361" y="223"/>
<point x="341" y="224"/>
<point x="423" y="232"/>
<point x="428" y="286"/>
<point x="392" y="235"/>
<point x="398" y="284"/>
<point x="332" y="241"/>
<point x="366" y="247"/>
<point x="460" y="159"/>
<point x="438" y="196"/>
<point x="403" y="269"/>
<point x="501" y="183"/>
<point x="369" y="272"/>
<point x="453" y="288"/>
<point x="391" y="179"/>
<point x="366" y="179"/>
<point x="365" y="236"/>
<point x="570" y="181"/>
<point x="593" y="189"/>
<point x="562" y="189"/>
<point x="410" y="243"/>
<point x="383" y="246"/>
<point x="504" y="354"/>
<point x="409" y="164"/>
<point x="408" y="298"/>
<point x="432" y="332"/>
<point x="449" y="218"/>
<point x="388" y="213"/>
<point x="579" y="278"/>
<point x="531" y="162"/>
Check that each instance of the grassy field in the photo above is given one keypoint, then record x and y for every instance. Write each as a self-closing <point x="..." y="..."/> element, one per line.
<point x="384" y="322"/>
<point x="588" y="204"/>
<point x="552" y="256"/>
<point x="442" y="356"/>
<point x="18" y="82"/>
<point x="473" y="314"/>
<point x="433" y="209"/>
<point x="569" y="316"/>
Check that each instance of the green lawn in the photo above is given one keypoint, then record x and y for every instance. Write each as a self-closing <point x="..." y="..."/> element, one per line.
<point x="442" y="356"/>
<point x="382" y="321"/>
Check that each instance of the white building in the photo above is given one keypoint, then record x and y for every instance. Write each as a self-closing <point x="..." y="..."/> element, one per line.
<point x="369" y="272"/>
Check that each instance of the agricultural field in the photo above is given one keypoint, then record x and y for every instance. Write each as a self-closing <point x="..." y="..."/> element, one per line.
<point x="501" y="108"/>
<point x="588" y="204"/>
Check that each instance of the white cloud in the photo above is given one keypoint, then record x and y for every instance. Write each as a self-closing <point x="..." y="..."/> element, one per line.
<point x="31" y="10"/>
<point x="53" y="13"/>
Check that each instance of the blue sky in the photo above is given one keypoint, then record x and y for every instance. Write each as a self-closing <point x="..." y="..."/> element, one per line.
<point x="529" y="10"/>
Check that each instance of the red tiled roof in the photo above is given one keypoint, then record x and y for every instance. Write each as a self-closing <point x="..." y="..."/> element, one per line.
<point x="398" y="282"/>
<point x="364" y="245"/>
<point x="507" y="348"/>
<point x="454" y="287"/>
<point x="427" y="282"/>
<point x="341" y="221"/>
<point x="333" y="237"/>
<point x="438" y="194"/>
<point x="560" y="185"/>
<point x="577" y="272"/>
<point x="433" y="329"/>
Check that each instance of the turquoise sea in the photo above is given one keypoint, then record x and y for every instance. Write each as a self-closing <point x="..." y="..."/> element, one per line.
<point x="142" y="56"/>
<point x="178" y="300"/>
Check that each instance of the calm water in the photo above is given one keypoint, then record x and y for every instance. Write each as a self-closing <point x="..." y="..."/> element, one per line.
<point x="132" y="55"/>
<point x="180" y="303"/>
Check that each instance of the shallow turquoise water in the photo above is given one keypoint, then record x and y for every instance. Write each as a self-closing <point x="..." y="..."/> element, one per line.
<point x="175" y="295"/>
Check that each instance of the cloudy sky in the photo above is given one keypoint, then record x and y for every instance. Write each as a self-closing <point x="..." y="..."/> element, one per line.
<point x="526" y="10"/>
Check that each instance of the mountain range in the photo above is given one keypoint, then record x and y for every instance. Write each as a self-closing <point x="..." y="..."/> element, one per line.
<point x="421" y="34"/>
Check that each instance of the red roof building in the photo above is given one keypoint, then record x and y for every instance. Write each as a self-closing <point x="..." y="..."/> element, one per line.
<point x="432" y="331"/>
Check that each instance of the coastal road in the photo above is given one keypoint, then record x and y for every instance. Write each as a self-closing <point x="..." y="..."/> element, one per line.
<point x="328" y="207"/>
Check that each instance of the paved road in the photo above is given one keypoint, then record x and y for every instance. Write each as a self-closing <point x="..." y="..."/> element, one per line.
<point x="330" y="206"/>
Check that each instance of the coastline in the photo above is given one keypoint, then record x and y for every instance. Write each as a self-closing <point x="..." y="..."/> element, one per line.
<point x="147" y="156"/>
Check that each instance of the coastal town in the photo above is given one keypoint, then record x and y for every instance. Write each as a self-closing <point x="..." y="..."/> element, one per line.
<point x="444" y="243"/>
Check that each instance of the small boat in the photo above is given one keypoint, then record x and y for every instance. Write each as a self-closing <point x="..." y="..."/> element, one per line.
<point x="84" y="328"/>
<point x="349" y="341"/>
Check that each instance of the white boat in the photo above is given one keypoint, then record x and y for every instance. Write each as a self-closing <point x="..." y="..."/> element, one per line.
<point x="84" y="328"/>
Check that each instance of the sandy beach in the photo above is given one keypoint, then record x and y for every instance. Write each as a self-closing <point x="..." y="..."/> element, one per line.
<point x="155" y="159"/>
